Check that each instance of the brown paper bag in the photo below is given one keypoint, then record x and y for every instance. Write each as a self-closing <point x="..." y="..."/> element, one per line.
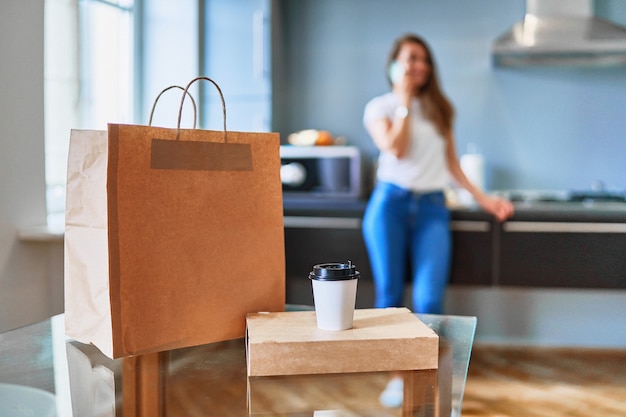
<point x="172" y="236"/>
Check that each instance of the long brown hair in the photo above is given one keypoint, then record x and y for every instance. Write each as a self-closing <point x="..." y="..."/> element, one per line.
<point x="435" y="105"/>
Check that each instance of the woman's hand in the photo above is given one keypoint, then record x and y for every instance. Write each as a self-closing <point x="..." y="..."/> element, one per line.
<point x="393" y="135"/>
<point x="405" y="89"/>
<point x="501" y="208"/>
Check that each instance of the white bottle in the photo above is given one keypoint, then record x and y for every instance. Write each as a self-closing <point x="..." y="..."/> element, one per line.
<point x="473" y="166"/>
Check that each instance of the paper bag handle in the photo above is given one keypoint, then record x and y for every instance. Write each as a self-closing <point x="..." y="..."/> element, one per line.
<point x="182" y="102"/>
<point x="199" y="155"/>
<point x="195" y="108"/>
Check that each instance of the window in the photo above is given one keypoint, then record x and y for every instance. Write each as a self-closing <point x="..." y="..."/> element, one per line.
<point x="92" y="75"/>
<point x="88" y="79"/>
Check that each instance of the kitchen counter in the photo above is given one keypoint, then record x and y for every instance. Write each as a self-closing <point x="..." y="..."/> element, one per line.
<point x="573" y="244"/>
<point x="348" y="207"/>
<point x="529" y="210"/>
<point x="571" y="211"/>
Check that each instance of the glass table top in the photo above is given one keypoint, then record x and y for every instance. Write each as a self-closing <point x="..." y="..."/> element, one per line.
<point x="43" y="373"/>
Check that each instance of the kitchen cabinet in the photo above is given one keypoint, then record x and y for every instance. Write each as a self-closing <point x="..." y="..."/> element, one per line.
<point x="550" y="245"/>
<point x="563" y="254"/>
<point x="557" y="245"/>
<point x="329" y="240"/>
<point x="313" y="240"/>
<point x="473" y="252"/>
<point x="319" y="236"/>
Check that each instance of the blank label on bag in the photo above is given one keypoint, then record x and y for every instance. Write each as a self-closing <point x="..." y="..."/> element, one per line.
<point x="200" y="156"/>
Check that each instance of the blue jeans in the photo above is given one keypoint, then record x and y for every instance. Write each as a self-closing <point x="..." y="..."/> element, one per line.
<point x="403" y="229"/>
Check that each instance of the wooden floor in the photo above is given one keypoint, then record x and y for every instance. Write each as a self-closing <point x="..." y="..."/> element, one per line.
<point x="545" y="382"/>
<point x="502" y="382"/>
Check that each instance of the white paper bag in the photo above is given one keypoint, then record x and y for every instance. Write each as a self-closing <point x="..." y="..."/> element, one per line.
<point x="87" y="319"/>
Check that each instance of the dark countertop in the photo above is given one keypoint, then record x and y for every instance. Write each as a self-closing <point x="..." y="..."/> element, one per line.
<point x="600" y="212"/>
<point x="324" y="207"/>
<point x="557" y="211"/>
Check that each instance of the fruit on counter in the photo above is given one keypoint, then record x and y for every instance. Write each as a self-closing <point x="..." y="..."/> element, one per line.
<point x="311" y="137"/>
<point x="324" y="138"/>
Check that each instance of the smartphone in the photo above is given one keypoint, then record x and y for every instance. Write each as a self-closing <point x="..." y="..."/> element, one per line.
<point x="396" y="72"/>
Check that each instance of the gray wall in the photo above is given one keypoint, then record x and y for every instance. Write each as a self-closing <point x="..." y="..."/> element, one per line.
<point x="26" y="291"/>
<point x="539" y="128"/>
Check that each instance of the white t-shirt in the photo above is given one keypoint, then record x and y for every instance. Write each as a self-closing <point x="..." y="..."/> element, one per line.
<point x="424" y="167"/>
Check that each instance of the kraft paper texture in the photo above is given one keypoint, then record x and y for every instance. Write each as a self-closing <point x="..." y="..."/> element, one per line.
<point x="169" y="243"/>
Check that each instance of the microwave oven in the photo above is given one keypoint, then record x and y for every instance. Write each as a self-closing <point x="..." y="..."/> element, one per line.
<point x="320" y="171"/>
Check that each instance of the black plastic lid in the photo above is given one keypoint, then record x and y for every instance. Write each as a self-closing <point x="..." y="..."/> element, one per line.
<point x="334" y="271"/>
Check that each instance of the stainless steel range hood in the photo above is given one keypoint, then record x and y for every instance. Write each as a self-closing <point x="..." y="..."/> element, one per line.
<point x="563" y="33"/>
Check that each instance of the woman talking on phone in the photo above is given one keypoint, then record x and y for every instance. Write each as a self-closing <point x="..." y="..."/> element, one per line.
<point x="406" y="222"/>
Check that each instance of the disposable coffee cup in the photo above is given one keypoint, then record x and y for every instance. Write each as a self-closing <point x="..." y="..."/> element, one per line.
<point x="334" y="294"/>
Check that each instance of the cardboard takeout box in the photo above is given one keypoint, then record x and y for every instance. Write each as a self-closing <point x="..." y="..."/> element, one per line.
<point x="289" y="343"/>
